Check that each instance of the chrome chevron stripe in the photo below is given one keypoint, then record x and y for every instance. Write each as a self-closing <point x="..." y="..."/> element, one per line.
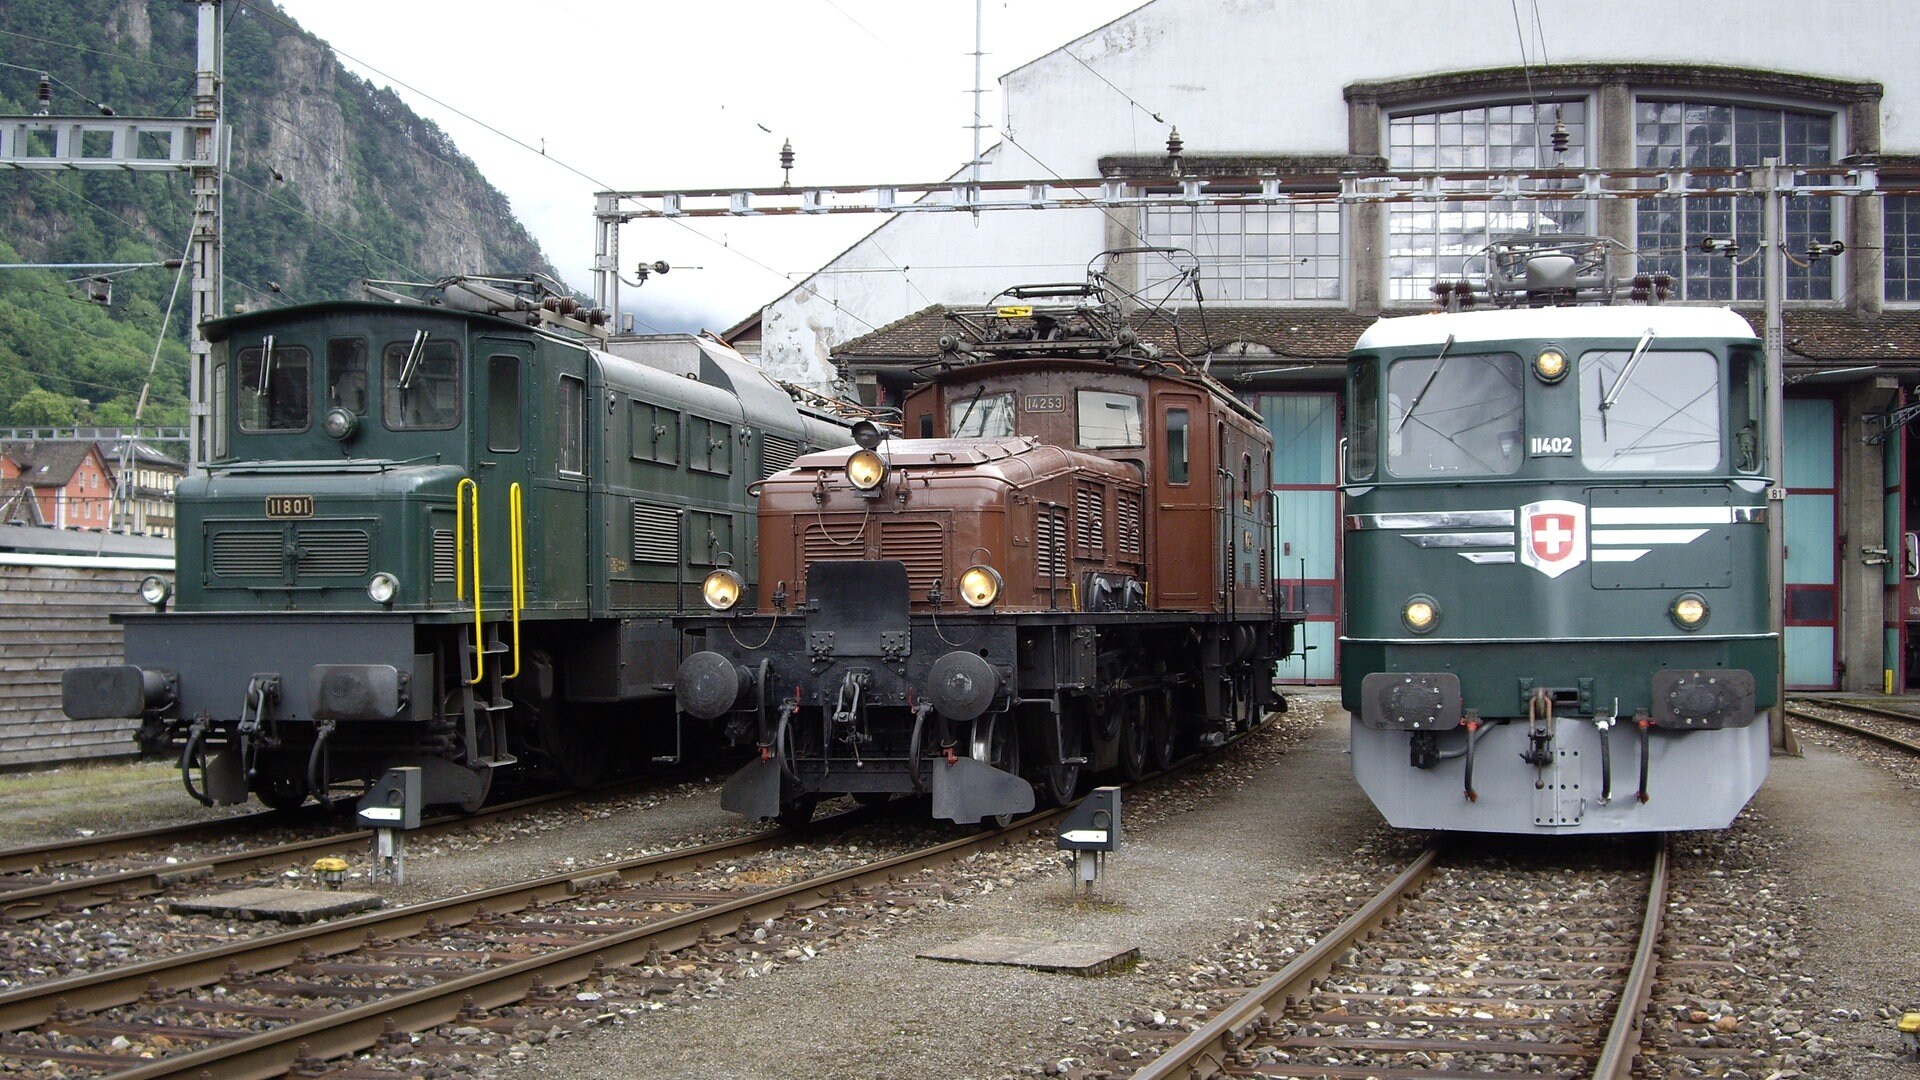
<point x="1461" y="540"/>
<point x="1646" y="536"/>
<point x="1439" y="519"/>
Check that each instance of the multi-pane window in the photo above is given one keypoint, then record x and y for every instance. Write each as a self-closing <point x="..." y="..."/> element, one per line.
<point x="1902" y="220"/>
<point x="1704" y="135"/>
<point x="1258" y="253"/>
<point x="1428" y="242"/>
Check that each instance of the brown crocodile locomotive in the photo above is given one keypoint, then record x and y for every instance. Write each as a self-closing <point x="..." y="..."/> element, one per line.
<point x="1068" y="568"/>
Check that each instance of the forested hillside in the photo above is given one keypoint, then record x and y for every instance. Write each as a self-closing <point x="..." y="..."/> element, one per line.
<point x="331" y="180"/>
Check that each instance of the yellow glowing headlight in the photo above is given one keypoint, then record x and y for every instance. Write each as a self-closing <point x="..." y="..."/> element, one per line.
<point x="1550" y="365"/>
<point x="1688" y="611"/>
<point x="979" y="586"/>
<point x="865" y="470"/>
<point x="721" y="590"/>
<point x="1420" y="614"/>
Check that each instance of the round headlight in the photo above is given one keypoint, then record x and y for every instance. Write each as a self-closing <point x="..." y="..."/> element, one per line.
<point x="383" y="588"/>
<point x="339" y="423"/>
<point x="1421" y="614"/>
<point x="155" y="589"/>
<point x="979" y="585"/>
<point x="721" y="590"/>
<point x="865" y="470"/>
<point x="1689" y="611"/>
<point x="1550" y="365"/>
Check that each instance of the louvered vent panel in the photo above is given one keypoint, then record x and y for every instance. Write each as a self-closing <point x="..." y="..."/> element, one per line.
<point x="825" y="541"/>
<point x="1049" y="546"/>
<point x="246" y="554"/>
<point x="921" y="545"/>
<point x="656" y="533"/>
<point x="1128" y="512"/>
<point x="1090" y="518"/>
<point x="442" y="555"/>
<point x="334" y="553"/>
<point x="776" y="453"/>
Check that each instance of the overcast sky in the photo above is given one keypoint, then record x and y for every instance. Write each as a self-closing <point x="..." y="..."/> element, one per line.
<point x="628" y="95"/>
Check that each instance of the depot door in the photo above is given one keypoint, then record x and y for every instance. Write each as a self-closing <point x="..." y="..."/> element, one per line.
<point x="1812" y="586"/>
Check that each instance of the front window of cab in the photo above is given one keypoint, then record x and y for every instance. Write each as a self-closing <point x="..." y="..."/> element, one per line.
<point x="275" y="381"/>
<point x="980" y="416"/>
<point x="1455" y="414"/>
<point x="1661" y="414"/>
<point x="422" y="385"/>
<point x="1108" y="421"/>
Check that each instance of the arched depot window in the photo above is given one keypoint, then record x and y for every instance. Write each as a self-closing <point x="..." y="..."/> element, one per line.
<point x="1696" y="134"/>
<point x="1429" y="242"/>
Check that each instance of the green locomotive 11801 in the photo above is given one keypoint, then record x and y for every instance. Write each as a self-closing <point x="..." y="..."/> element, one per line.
<point x="449" y="535"/>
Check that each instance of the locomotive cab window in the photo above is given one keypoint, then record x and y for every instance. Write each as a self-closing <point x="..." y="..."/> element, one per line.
<point x="1455" y="414"/>
<point x="1661" y="414"/>
<point x="573" y="426"/>
<point x="347" y="375"/>
<point x="422" y="381"/>
<point x="980" y="415"/>
<point x="1108" y="421"/>
<point x="274" y="384"/>
<point x="1179" y="456"/>
<point x="1746" y="403"/>
<point x="219" y="425"/>
<point x="503" y="402"/>
<point x="1363" y="420"/>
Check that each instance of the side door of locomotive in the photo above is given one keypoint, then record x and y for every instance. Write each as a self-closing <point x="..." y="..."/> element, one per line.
<point x="1183" y="536"/>
<point x="534" y="404"/>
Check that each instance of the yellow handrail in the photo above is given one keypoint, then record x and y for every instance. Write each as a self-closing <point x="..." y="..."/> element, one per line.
<point x="517" y="523"/>
<point x="464" y="492"/>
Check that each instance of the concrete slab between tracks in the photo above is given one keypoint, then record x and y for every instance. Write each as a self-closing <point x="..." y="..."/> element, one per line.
<point x="286" y="905"/>
<point x="1084" y="958"/>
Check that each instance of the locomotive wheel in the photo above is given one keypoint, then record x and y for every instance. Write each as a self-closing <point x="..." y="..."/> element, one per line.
<point x="1135" y="733"/>
<point x="1002" y="751"/>
<point x="282" y="791"/>
<point x="1060" y="783"/>
<point x="797" y="813"/>
<point x="570" y="743"/>
<point x="1162" y="735"/>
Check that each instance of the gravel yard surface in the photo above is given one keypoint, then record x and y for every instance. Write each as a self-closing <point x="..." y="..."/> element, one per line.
<point x="1256" y="859"/>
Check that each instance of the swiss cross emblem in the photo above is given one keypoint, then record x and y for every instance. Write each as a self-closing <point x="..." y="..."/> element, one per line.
<point x="1553" y="536"/>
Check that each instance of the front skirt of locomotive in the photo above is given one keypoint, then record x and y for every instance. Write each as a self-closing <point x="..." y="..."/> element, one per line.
<point x="856" y="696"/>
<point x="1631" y="745"/>
<point x="242" y="686"/>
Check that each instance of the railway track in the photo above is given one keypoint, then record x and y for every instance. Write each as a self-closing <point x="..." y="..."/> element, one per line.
<point x="1889" y="727"/>
<point x="298" y="1000"/>
<point x="1462" y="965"/>
<point x="65" y="876"/>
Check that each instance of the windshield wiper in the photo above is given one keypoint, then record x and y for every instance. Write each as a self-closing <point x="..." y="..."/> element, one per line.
<point x="960" y="429"/>
<point x="1438" y="362"/>
<point x="266" y="365"/>
<point x="411" y="366"/>
<point x="1626" y="372"/>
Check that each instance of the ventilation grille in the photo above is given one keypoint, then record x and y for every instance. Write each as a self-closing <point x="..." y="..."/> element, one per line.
<point x="247" y="554"/>
<point x="1049" y="545"/>
<point x="656" y="533"/>
<point x="821" y="541"/>
<point x="776" y="453"/>
<point x="1127" y="512"/>
<point x="922" y="546"/>
<point x="1090" y="518"/>
<point x="334" y="553"/>
<point x="442" y="555"/>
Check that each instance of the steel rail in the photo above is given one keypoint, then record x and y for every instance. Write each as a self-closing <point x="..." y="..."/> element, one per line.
<point x="1855" y="729"/>
<point x="1852" y="705"/>
<point x="273" y="1053"/>
<point x="1204" y="1052"/>
<point x="1623" y="1036"/>
<point x="35" y="901"/>
<point x="337" y="1034"/>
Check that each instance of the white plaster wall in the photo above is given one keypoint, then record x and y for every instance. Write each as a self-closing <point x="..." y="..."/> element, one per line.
<point x="1266" y="76"/>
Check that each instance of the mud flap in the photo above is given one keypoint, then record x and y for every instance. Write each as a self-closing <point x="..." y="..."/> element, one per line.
<point x="226" y="777"/>
<point x="754" y="791"/>
<point x="968" y="790"/>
